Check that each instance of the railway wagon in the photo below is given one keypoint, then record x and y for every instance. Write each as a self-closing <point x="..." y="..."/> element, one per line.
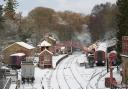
<point x="91" y="60"/>
<point x="16" y="60"/>
<point x="27" y="71"/>
<point x="100" y="54"/>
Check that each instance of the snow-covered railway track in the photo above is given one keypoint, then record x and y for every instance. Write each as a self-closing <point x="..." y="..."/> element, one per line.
<point x="65" y="77"/>
<point x="69" y="64"/>
<point x="96" y="76"/>
<point x="60" y="75"/>
<point x="100" y="77"/>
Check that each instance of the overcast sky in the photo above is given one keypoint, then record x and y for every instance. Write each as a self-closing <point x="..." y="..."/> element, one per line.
<point x="82" y="6"/>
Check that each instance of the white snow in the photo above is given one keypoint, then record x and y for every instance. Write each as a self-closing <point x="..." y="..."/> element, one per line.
<point x="42" y="76"/>
<point x="47" y="51"/>
<point x="25" y="45"/>
<point x="44" y="44"/>
<point x="52" y="38"/>
<point x="56" y="58"/>
<point x="18" y="54"/>
<point x="13" y="86"/>
<point x="69" y="74"/>
<point x="88" y="78"/>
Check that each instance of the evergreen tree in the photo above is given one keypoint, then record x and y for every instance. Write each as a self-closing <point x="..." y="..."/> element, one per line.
<point x="122" y="22"/>
<point x="10" y="8"/>
<point x="1" y="13"/>
<point x="1" y="16"/>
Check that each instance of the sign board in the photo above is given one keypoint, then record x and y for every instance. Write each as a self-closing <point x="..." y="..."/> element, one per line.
<point x="125" y="45"/>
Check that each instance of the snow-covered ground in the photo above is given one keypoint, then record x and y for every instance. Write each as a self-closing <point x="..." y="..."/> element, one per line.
<point x="42" y="76"/>
<point x="70" y="75"/>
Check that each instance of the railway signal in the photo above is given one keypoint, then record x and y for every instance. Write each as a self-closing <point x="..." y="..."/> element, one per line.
<point x="111" y="57"/>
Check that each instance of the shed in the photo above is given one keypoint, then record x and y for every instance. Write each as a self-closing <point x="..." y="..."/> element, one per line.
<point x="45" y="59"/>
<point x="44" y="45"/>
<point x="17" y="47"/>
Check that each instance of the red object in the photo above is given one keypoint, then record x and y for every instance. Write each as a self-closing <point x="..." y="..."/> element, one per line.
<point x="125" y="44"/>
<point x="45" y="59"/>
<point x="100" y="57"/>
<point x="107" y="82"/>
<point x="112" y="56"/>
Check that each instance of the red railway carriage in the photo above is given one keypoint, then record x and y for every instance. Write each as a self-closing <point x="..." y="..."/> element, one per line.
<point x="100" y="54"/>
<point x="100" y="57"/>
<point x="16" y="59"/>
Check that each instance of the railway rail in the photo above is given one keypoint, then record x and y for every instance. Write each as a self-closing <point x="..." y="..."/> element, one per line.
<point x="69" y="76"/>
<point x="95" y="74"/>
<point x="63" y="67"/>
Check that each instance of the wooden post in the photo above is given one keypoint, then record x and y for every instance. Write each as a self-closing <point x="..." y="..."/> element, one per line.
<point x="111" y="74"/>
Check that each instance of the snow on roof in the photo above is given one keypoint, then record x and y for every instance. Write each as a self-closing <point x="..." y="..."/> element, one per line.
<point x="47" y="51"/>
<point x="23" y="44"/>
<point x="52" y="38"/>
<point x="18" y="54"/>
<point x="44" y="43"/>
